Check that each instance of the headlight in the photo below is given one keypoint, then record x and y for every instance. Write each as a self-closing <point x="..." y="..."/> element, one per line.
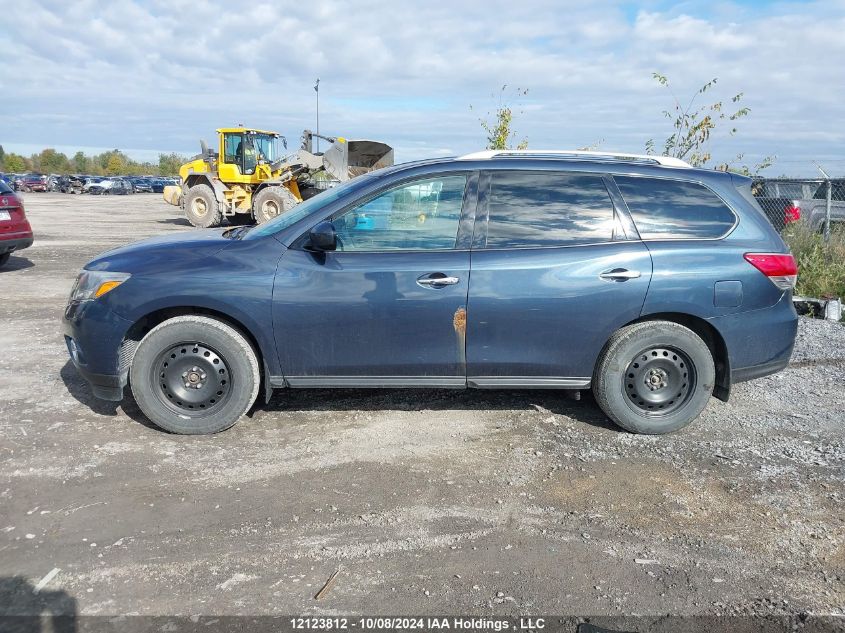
<point x="92" y="284"/>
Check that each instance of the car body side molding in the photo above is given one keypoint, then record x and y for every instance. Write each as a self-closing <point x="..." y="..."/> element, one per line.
<point x="433" y="382"/>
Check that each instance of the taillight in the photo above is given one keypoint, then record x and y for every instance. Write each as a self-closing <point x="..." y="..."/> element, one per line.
<point x="779" y="268"/>
<point x="791" y="214"/>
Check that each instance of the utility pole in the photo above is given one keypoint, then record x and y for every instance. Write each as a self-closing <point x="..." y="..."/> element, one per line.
<point x="317" y="139"/>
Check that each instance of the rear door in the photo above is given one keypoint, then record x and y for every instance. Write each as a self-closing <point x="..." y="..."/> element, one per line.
<point x="556" y="269"/>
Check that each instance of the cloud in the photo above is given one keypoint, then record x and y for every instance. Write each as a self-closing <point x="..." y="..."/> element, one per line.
<point x="162" y="74"/>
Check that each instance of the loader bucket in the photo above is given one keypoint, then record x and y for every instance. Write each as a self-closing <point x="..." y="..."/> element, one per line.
<point x="346" y="159"/>
<point x="173" y="195"/>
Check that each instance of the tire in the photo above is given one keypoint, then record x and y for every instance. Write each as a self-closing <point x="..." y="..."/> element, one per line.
<point x="4" y="258"/>
<point x="201" y="207"/>
<point x="654" y="377"/>
<point x="272" y="202"/>
<point x="210" y="385"/>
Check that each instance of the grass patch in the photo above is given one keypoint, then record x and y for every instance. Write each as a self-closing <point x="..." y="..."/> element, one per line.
<point x="821" y="266"/>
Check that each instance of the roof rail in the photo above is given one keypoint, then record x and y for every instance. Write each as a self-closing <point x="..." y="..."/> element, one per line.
<point x="666" y="161"/>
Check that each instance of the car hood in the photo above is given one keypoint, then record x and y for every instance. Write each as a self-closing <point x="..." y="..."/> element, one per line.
<point x="162" y="252"/>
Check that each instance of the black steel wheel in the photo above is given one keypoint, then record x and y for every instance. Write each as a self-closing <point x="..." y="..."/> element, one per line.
<point x="193" y="378"/>
<point x="654" y="377"/>
<point x="195" y="375"/>
<point x="659" y="381"/>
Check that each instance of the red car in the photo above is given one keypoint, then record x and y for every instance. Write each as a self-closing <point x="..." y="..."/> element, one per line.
<point x="34" y="182"/>
<point x="15" y="231"/>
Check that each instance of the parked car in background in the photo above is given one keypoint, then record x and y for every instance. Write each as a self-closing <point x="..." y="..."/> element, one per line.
<point x="141" y="185"/>
<point x="91" y="181"/>
<point x="158" y="185"/>
<point x="111" y="186"/>
<point x="788" y="201"/>
<point x="33" y="182"/>
<point x="655" y="284"/>
<point x="15" y="231"/>
<point x="52" y="182"/>
<point x="70" y="184"/>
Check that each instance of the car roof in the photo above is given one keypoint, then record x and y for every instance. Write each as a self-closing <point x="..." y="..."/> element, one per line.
<point x="565" y="160"/>
<point x="569" y="154"/>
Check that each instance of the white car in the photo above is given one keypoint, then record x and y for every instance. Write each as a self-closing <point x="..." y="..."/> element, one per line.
<point x="116" y="186"/>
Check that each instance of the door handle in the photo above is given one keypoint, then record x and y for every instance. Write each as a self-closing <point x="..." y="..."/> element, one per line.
<point x="429" y="281"/>
<point x="619" y="274"/>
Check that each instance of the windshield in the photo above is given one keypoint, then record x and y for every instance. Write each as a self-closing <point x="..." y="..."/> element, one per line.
<point x="268" y="147"/>
<point x="311" y="205"/>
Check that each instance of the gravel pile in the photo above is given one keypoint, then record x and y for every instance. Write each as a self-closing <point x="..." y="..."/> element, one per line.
<point x="819" y="340"/>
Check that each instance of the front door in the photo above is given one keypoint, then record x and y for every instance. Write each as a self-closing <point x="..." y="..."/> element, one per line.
<point x="388" y="307"/>
<point x="553" y="276"/>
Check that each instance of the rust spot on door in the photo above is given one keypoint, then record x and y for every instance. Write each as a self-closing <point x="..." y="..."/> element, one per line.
<point x="459" y="322"/>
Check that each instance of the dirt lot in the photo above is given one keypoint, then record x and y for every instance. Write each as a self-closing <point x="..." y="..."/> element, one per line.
<point x="494" y="503"/>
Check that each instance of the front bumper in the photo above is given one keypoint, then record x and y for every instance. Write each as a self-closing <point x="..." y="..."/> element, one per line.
<point x="15" y="244"/>
<point x="95" y="339"/>
<point x="104" y="386"/>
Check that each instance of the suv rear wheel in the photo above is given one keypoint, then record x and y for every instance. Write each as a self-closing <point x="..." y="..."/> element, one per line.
<point x="194" y="375"/>
<point x="654" y="377"/>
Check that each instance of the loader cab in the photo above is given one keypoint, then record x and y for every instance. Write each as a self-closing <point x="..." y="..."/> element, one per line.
<point x="232" y="149"/>
<point x="242" y="150"/>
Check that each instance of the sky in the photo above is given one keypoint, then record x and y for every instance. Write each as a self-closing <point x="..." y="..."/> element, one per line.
<point x="154" y="76"/>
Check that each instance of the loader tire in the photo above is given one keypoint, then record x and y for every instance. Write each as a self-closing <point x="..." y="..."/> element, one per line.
<point x="272" y="202"/>
<point x="201" y="207"/>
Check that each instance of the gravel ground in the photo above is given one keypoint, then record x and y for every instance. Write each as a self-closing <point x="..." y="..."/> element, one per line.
<point x="482" y="502"/>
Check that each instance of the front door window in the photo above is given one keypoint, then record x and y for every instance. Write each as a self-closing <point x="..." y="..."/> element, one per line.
<point x="421" y="215"/>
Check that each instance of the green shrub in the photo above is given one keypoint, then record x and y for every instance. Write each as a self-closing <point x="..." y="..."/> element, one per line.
<point x="821" y="266"/>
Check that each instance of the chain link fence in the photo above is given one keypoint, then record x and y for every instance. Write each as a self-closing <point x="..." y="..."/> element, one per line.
<point x="809" y="213"/>
<point x="816" y="203"/>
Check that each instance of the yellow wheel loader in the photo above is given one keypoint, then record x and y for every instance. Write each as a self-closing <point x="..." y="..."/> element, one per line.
<point x="251" y="177"/>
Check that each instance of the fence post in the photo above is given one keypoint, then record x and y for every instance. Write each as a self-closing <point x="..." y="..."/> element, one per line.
<point x="829" y="198"/>
<point x="827" y="211"/>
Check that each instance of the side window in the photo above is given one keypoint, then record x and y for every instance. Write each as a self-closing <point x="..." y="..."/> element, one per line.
<point x="421" y="215"/>
<point x="233" y="149"/>
<point x="540" y="209"/>
<point x="672" y="209"/>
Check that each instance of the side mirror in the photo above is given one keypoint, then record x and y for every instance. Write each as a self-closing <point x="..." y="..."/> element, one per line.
<point x="323" y="237"/>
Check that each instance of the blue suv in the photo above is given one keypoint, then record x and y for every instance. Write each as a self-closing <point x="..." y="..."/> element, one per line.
<point x="655" y="284"/>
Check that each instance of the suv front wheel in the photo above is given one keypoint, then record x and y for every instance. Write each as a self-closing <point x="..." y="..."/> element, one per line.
<point x="654" y="377"/>
<point x="194" y="375"/>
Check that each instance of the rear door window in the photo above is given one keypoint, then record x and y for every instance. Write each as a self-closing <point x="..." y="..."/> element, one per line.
<point x="672" y="209"/>
<point x="547" y="209"/>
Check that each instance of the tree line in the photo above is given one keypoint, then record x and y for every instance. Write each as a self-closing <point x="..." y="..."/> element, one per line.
<point x="110" y="163"/>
